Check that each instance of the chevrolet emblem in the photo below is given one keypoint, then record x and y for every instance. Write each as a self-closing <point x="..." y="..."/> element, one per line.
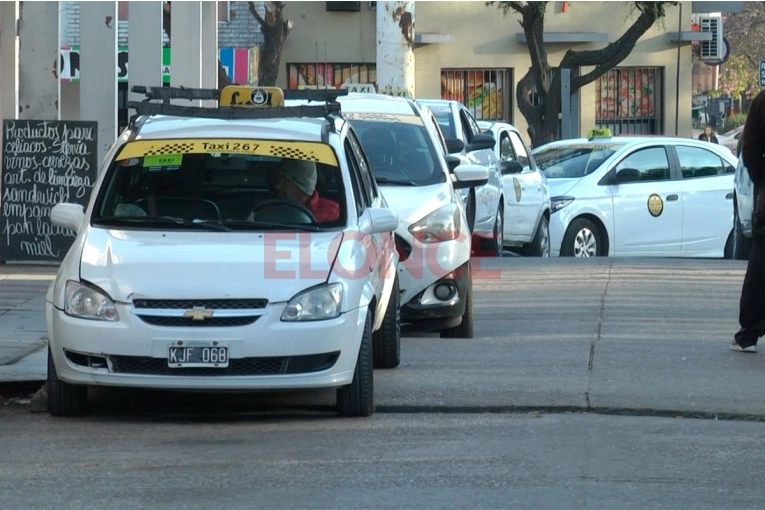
<point x="198" y="314"/>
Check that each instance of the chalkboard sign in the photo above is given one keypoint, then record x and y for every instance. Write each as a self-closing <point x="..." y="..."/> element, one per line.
<point x="44" y="163"/>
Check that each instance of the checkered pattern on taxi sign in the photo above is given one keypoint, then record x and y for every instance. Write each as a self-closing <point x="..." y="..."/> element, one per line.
<point x="171" y="148"/>
<point x="293" y="153"/>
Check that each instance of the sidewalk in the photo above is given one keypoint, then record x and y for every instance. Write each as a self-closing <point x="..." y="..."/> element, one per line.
<point x="23" y="342"/>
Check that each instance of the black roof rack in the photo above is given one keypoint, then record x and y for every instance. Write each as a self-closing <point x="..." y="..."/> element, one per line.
<point x="166" y="94"/>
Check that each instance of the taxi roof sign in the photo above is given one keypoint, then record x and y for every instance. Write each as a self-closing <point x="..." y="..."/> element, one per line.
<point x="599" y="133"/>
<point x="251" y="97"/>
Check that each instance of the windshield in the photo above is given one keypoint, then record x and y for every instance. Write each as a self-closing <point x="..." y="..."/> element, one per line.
<point x="184" y="184"/>
<point x="572" y="161"/>
<point x="399" y="150"/>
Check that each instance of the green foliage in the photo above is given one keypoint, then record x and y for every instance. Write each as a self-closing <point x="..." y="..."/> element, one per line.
<point x="738" y="75"/>
<point x="734" y="121"/>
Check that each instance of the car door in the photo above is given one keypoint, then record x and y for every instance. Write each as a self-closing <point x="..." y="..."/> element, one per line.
<point x="513" y="186"/>
<point x="375" y="265"/>
<point x="648" y="212"/>
<point x="487" y="196"/>
<point x="707" y="187"/>
<point x="531" y="193"/>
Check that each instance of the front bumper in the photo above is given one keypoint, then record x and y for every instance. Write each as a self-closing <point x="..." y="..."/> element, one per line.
<point x="426" y="312"/>
<point x="558" y="226"/>
<point x="267" y="354"/>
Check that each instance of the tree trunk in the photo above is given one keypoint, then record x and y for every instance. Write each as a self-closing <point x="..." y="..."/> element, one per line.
<point x="271" y="54"/>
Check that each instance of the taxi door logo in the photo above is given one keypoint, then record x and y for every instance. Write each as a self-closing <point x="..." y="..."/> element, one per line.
<point x="517" y="185"/>
<point x="655" y="205"/>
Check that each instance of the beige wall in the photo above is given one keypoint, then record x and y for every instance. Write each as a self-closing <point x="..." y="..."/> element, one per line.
<point x="483" y="38"/>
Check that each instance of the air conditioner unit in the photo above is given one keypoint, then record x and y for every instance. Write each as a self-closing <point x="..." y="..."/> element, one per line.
<point x="715" y="49"/>
<point x="343" y="6"/>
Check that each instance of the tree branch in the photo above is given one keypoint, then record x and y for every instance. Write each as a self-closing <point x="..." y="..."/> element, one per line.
<point x="254" y="12"/>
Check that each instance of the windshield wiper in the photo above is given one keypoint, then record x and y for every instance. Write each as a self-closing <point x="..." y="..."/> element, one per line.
<point x="162" y="220"/>
<point x="395" y="182"/>
<point x="275" y="226"/>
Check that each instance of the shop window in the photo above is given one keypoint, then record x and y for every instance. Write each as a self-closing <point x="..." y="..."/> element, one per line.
<point x="332" y="75"/>
<point x="485" y="92"/>
<point x="630" y="100"/>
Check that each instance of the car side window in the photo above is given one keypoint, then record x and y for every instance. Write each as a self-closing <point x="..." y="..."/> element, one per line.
<point x="520" y="149"/>
<point x="651" y="164"/>
<point x="439" y="134"/>
<point x="368" y="182"/>
<point x="696" y="162"/>
<point x="466" y="130"/>
<point x="506" y="152"/>
<point x="473" y="124"/>
<point x="353" y="167"/>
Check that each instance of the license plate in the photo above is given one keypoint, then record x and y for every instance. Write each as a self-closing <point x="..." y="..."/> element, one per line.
<point x="197" y="356"/>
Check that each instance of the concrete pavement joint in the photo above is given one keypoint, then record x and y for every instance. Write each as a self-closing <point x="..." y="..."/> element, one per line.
<point x="19" y="355"/>
<point x="597" y="338"/>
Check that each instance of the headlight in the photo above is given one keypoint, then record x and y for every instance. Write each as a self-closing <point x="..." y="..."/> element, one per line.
<point x="557" y="203"/>
<point x="318" y="304"/>
<point x="441" y="225"/>
<point x="88" y="302"/>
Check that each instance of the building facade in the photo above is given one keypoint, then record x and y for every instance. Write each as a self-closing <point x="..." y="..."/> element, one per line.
<point x="471" y="52"/>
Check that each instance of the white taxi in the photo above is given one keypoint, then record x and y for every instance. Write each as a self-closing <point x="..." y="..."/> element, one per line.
<point x="639" y="196"/>
<point x="228" y="248"/>
<point x="527" y="206"/>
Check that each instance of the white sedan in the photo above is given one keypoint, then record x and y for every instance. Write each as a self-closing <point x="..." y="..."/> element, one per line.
<point x="527" y="202"/>
<point x="639" y="196"/>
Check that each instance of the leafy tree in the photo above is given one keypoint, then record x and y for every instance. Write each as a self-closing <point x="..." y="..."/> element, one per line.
<point x="738" y="75"/>
<point x="745" y="32"/>
<point x="542" y="115"/>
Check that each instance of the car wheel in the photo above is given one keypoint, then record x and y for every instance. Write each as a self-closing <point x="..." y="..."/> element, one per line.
<point x="582" y="239"/>
<point x="465" y="329"/>
<point x="386" y="341"/>
<point x="357" y="399"/>
<point x="741" y="243"/>
<point x="540" y="246"/>
<point x="64" y="399"/>
<point x="497" y="244"/>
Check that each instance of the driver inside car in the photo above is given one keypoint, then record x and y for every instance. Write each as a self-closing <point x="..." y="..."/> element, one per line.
<point x="297" y="182"/>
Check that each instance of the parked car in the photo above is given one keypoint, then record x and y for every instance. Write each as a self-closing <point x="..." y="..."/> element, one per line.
<point x="743" y="209"/>
<point x="639" y="196"/>
<point x="485" y="204"/>
<point x="527" y="202"/>
<point x="433" y="239"/>
<point x="193" y="268"/>
<point x="731" y="139"/>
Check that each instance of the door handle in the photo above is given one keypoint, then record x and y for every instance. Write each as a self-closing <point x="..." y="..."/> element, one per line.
<point x="671" y="198"/>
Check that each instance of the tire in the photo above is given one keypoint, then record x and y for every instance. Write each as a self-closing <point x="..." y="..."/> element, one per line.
<point x="64" y="399"/>
<point x="386" y="341"/>
<point x="465" y="329"/>
<point x="741" y="243"/>
<point x="497" y="244"/>
<point x="582" y="239"/>
<point x="357" y="399"/>
<point x="540" y="245"/>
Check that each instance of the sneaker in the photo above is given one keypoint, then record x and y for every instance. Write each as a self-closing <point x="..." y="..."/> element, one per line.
<point x="734" y="346"/>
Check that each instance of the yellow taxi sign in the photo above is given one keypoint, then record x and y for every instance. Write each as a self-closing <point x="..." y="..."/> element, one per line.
<point x="599" y="133"/>
<point x="251" y="97"/>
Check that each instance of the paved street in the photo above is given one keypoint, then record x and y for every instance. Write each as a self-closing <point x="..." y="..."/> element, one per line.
<point x="577" y="392"/>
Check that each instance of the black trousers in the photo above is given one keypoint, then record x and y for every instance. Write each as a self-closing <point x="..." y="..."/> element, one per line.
<point x="752" y="306"/>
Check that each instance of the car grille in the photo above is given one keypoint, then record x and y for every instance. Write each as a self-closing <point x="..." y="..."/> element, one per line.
<point x="215" y="304"/>
<point x="141" y="365"/>
<point x="148" y="310"/>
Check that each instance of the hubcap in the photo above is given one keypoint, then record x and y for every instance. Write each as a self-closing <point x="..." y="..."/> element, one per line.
<point x="499" y="234"/>
<point x="585" y="244"/>
<point x="544" y="241"/>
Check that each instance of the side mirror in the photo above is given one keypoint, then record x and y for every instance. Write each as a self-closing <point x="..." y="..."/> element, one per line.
<point x="377" y="221"/>
<point x="454" y="145"/>
<point x="67" y="216"/>
<point x="452" y="162"/>
<point x="510" y="167"/>
<point x="480" y="142"/>
<point x="626" y="175"/>
<point x="468" y="176"/>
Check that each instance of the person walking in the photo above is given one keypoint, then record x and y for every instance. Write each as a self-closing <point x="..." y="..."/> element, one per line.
<point x="708" y="135"/>
<point x="752" y="303"/>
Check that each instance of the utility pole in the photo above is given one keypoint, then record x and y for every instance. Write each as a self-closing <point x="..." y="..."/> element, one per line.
<point x="395" y="48"/>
